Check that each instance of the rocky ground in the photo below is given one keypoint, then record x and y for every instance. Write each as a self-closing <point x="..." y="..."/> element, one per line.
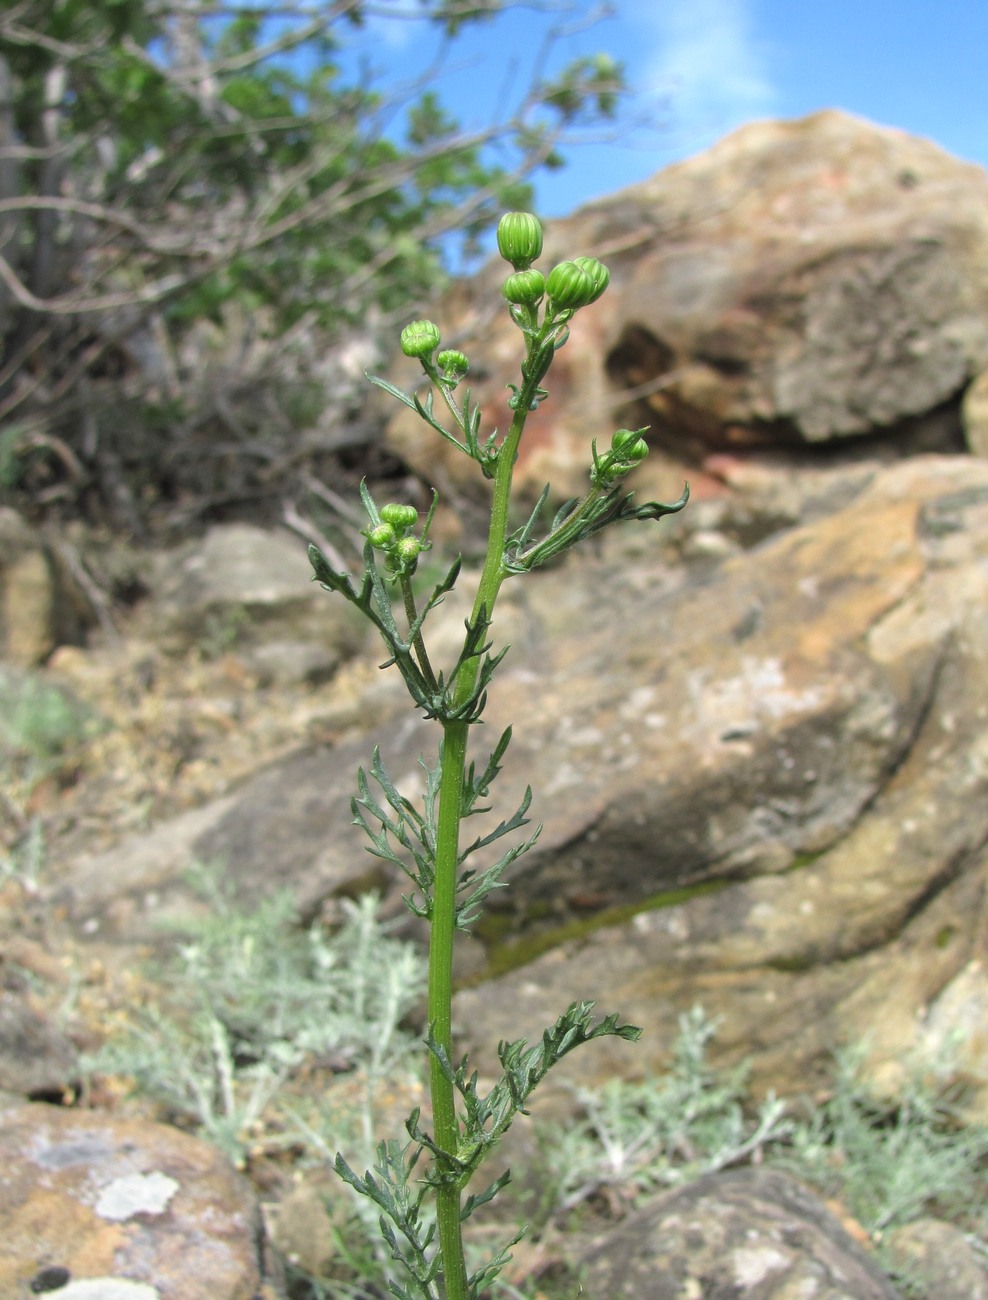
<point x="214" y="727"/>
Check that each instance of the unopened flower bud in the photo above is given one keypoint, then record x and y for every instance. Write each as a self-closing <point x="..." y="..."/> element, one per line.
<point x="570" y="287"/>
<point x="452" y="365"/>
<point x="629" y="446"/>
<point x="519" y="239"/>
<point x="383" y="537"/>
<point x="628" y="449"/>
<point x="407" y="551"/>
<point x="598" y="273"/>
<point x="420" y="339"/>
<point x="400" y="517"/>
<point x="526" y="288"/>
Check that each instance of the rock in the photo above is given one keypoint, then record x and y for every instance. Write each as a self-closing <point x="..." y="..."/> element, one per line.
<point x="36" y="1058"/>
<point x="799" y="283"/>
<point x="842" y="823"/>
<point x="251" y="589"/>
<point x="755" y="1233"/>
<point x="954" y="1038"/>
<point x="937" y="1260"/>
<point x="122" y="1209"/>
<point x="763" y="788"/>
<point x="974" y="416"/>
<point x="28" y="613"/>
<point x="46" y="596"/>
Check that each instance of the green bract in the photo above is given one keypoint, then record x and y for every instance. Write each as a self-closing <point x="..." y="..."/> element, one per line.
<point x="420" y="339"/>
<point x="570" y="287"/>
<point x="525" y="288"/>
<point x="628" y="449"/>
<point x="519" y="239"/>
<point x="629" y="444"/>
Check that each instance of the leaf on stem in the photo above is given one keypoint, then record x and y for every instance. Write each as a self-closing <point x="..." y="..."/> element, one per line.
<point x="576" y="521"/>
<point x="413" y="831"/>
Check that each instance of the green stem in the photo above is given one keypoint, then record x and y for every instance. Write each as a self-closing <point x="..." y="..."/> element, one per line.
<point x="452" y="781"/>
<point x="567" y="530"/>
<point x="447" y="1129"/>
<point x="411" y="613"/>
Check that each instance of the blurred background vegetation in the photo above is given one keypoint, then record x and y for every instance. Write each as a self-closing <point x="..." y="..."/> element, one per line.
<point x="211" y="217"/>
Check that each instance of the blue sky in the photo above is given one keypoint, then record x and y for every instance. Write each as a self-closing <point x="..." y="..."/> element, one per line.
<point x="702" y="67"/>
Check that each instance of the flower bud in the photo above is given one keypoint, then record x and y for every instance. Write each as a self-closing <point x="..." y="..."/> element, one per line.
<point x="407" y="552"/>
<point x="519" y="239"/>
<point x="629" y="446"/>
<point x="452" y="365"/>
<point x="383" y="537"/>
<point x="399" y="517"/>
<point x="526" y="288"/>
<point x="628" y="449"/>
<point x="598" y="273"/>
<point x="420" y="339"/>
<point x="570" y="287"/>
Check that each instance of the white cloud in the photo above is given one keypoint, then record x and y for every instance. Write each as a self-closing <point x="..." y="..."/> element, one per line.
<point x="399" y="27"/>
<point x="709" y="62"/>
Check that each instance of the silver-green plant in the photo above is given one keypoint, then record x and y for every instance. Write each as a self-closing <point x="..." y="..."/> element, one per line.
<point x="891" y="1162"/>
<point x="423" y="838"/>
<point x="23" y="863"/>
<point x="251" y="996"/>
<point x="636" y="1137"/>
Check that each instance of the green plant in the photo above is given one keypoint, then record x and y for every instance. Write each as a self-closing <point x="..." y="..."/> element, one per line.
<point x="42" y="730"/>
<point x="222" y="630"/>
<point x="659" y="1132"/>
<point x="38" y="721"/>
<point x="888" y="1161"/>
<point x="424" y="839"/>
<point x="24" y="861"/>
<point x="251" y="997"/>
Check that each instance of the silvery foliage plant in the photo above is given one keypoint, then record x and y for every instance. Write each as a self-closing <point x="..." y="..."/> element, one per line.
<point x="423" y="838"/>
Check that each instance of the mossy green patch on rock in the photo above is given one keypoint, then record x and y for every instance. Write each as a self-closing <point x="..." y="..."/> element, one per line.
<point x="509" y="956"/>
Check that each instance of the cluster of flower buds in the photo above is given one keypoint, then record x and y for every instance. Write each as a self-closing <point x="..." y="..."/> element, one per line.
<point x="628" y="449"/>
<point x="420" y="340"/>
<point x="570" y="285"/>
<point x="542" y="307"/>
<point x="394" y="536"/>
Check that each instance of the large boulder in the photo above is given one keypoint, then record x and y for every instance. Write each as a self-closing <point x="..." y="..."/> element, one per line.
<point x="799" y="283"/>
<point x="763" y="784"/>
<point x="798" y="800"/>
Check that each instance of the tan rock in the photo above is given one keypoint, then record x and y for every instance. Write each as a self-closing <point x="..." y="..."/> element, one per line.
<point x="750" y="1232"/>
<point x="974" y="416"/>
<point x="122" y="1208"/>
<point x="938" y="1257"/>
<point x="250" y="589"/>
<point x="800" y="282"/>
<point x="857" y="916"/>
<point x="28" y="613"/>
